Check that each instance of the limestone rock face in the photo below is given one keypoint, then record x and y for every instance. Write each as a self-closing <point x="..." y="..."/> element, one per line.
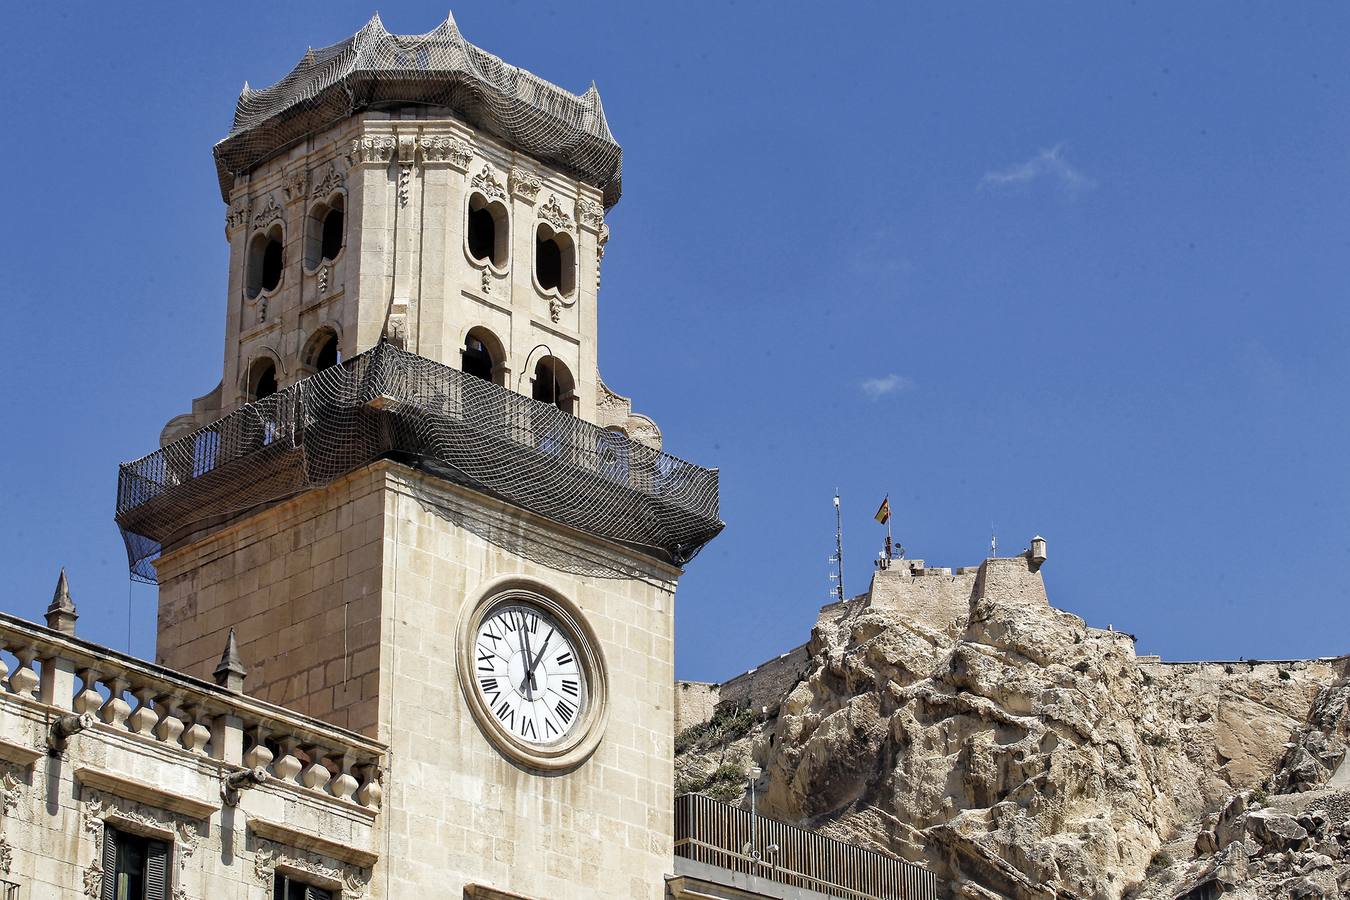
<point x="1022" y="754"/>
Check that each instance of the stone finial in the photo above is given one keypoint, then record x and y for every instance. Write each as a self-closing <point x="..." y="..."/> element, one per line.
<point x="61" y="615"/>
<point x="230" y="673"/>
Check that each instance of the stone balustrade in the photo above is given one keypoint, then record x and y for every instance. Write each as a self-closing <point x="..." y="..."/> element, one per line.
<point x="128" y="695"/>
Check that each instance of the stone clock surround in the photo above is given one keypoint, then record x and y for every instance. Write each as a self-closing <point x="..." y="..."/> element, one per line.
<point x="398" y="556"/>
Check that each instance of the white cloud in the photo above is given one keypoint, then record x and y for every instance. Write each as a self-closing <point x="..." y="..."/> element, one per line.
<point x="886" y="384"/>
<point x="1048" y="164"/>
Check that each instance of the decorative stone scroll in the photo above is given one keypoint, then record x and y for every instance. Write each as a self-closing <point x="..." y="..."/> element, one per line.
<point x="373" y="149"/>
<point x="269" y="213"/>
<point x="553" y="213"/>
<point x="329" y="184"/>
<point x="269" y="854"/>
<point x="487" y="182"/>
<point x="589" y="214"/>
<point x="525" y="184"/>
<point x="294" y="184"/>
<point x="453" y="151"/>
<point x="237" y="215"/>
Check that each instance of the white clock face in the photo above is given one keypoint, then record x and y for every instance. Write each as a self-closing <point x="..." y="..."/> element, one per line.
<point x="527" y="673"/>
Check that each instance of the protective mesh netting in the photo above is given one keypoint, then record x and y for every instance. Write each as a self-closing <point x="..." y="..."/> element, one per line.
<point x="390" y="403"/>
<point x="374" y="68"/>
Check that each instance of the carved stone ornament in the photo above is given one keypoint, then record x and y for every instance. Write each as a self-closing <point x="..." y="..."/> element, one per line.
<point x="373" y="149"/>
<point x="11" y="789"/>
<point x="554" y="309"/>
<point x="602" y="240"/>
<point x="407" y="159"/>
<point x="294" y="184"/>
<point x="487" y="282"/>
<point x="489" y="184"/>
<point x="553" y="213"/>
<point x="6" y="856"/>
<point x="329" y="184"/>
<point x="323" y="280"/>
<point x="269" y="213"/>
<point x="445" y="149"/>
<point x="525" y="184"/>
<point x="398" y="330"/>
<point x="267" y="855"/>
<point x="237" y="215"/>
<point x="589" y="213"/>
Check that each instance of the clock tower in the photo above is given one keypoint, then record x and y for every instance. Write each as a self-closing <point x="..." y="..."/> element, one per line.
<point x="411" y="497"/>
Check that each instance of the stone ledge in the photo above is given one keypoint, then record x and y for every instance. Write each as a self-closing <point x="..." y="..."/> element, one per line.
<point x="22" y="756"/>
<point x="483" y="892"/>
<point x="130" y="789"/>
<point x="303" y="840"/>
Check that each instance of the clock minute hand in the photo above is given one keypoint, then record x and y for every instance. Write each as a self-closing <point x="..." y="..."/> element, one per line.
<point x="534" y="665"/>
<point x="527" y="683"/>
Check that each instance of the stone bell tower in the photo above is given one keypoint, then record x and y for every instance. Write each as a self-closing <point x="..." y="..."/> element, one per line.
<point x="411" y="496"/>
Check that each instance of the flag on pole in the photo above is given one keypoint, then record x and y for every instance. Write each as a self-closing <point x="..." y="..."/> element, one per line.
<point x="884" y="513"/>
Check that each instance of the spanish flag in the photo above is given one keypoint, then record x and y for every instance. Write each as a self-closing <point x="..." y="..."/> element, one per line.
<point x="884" y="513"/>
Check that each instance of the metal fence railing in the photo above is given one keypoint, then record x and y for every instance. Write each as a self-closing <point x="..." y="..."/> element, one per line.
<point x="729" y="837"/>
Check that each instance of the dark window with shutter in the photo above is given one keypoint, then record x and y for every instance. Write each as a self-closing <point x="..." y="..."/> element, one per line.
<point x="286" y="888"/>
<point x="134" y="867"/>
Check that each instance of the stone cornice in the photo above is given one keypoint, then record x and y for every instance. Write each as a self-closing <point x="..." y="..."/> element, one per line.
<point x="19" y="754"/>
<point x="304" y="840"/>
<point x="149" y="794"/>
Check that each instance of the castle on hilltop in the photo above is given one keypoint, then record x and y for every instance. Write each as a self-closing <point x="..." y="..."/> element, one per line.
<point x="416" y="562"/>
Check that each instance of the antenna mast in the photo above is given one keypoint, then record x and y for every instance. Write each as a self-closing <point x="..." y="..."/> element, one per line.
<point x="838" y="547"/>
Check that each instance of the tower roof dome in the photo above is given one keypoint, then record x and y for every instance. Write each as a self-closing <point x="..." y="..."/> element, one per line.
<point x="374" y="68"/>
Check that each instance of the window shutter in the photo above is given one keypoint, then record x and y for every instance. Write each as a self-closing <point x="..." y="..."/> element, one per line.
<point x="313" y="893"/>
<point x="157" y="871"/>
<point x="109" y="889"/>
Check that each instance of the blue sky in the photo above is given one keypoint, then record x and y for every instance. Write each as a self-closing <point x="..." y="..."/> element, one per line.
<point x="1054" y="268"/>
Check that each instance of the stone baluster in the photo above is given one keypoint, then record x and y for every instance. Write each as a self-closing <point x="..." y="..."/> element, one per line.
<point x="117" y="709"/>
<point x="24" y="680"/>
<point x="315" y="775"/>
<point x="170" y="721"/>
<point x="259" y="756"/>
<point x="344" y="785"/>
<point x="145" y="717"/>
<point x="197" y="734"/>
<point x="289" y="765"/>
<point x="370" y="793"/>
<point x="88" y="700"/>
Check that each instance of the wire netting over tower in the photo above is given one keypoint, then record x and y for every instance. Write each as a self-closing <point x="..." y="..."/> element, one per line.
<point x="374" y="69"/>
<point x="388" y="403"/>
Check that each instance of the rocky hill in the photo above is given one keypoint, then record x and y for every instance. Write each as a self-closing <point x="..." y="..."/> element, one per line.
<point x="962" y="722"/>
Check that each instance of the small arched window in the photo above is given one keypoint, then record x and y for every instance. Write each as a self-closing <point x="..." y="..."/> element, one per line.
<point x="483" y="356"/>
<point x="321" y="351"/>
<point x="262" y="380"/>
<point x="266" y="261"/>
<point x="555" y="260"/>
<point x="486" y="230"/>
<point x="325" y="231"/>
<point x="553" y="384"/>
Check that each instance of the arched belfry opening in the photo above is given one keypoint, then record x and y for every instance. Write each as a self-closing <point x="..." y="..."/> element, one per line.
<point x="325" y="231"/>
<point x="321" y="351"/>
<point x="262" y="379"/>
<point x="483" y="356"/>
<point x="487" y="231"/>
<point x="555" y="261"/>
<point x="553" y="383"/>
<point x="266" y="261"/>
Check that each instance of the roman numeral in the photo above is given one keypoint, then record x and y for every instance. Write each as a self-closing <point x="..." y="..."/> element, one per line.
<point x="484" y="661"/>
<point x="534" y="624"/>
<point x="569" y="686"/>
<point x="527" y="729"/>
<point x="508" y="623"/>
<point x="489" y="684"/>
<point x="548" y="724"/>
<point x="506" y="714"/>
<point x="565" y="711"/>
<point x="490" y="636"/>
<point x="563" y="658"/>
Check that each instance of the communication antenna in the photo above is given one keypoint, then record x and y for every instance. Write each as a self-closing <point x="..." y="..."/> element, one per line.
<point x="838" y="558"/>
<point x="993" y="540"/>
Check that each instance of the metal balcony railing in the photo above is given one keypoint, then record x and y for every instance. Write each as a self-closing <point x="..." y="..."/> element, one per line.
<point x="731" y="838"/>
<point x="390" y="403"/>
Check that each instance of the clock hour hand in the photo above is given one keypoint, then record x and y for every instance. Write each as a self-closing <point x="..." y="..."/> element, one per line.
<point x="534" y="665"/>
<point x="527" y="683"/>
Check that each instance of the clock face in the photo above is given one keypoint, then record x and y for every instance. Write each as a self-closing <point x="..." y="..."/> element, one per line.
<point x="527" y="673"/>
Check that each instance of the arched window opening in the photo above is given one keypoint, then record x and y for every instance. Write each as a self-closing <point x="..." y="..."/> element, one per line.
<point x="553" y="384"/>
<point x="483" y="356"/>
<point x="266" y="261"/>
<point x="554" y="261"/>
<point x="264" y="380"/>
<point x="327" y="353"/>
<point x="325" y="232"/>
<point x="487" y="230"/>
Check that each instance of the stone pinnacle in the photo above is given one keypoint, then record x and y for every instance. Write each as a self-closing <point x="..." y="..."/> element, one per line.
<point x="230" y="672"/>
<point x="61" y="614"/>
